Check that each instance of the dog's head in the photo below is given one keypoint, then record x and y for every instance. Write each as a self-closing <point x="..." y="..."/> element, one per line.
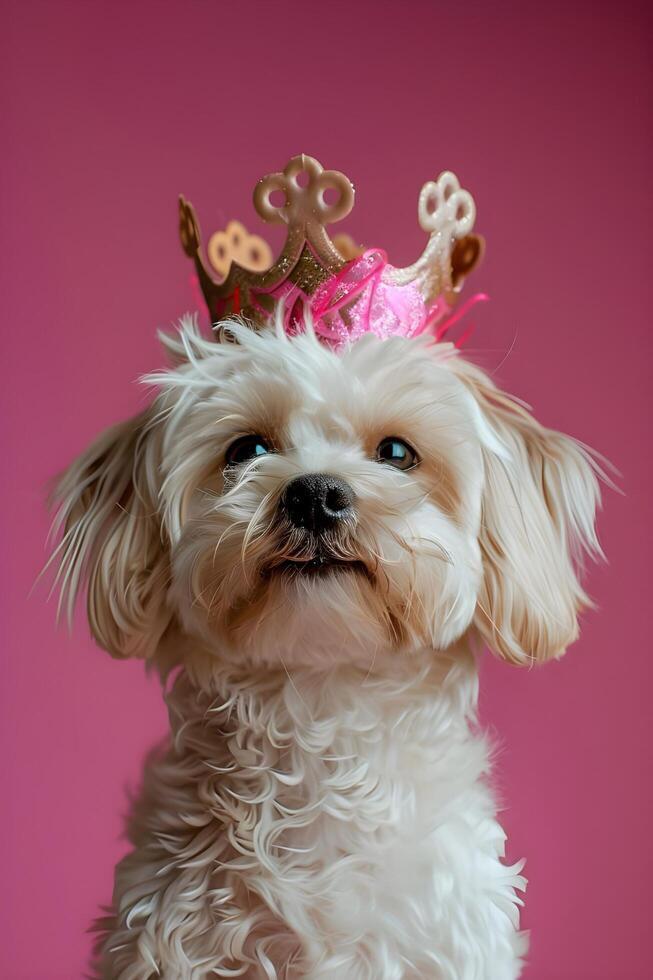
<point x="279" y="500"/>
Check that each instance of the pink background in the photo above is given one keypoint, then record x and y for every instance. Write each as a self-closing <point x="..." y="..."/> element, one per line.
<point x="113" y="109"/>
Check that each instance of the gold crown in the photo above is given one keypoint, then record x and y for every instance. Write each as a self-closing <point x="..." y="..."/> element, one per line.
<point x="310" y="199"/>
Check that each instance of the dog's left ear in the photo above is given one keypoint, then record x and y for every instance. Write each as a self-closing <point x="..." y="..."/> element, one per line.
<point x="113" y="541"/>
<point x="537" y="521"/>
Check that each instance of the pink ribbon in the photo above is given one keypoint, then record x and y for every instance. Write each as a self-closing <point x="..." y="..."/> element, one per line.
<point x="363" y="298"/>
<point x="376" y="304"/>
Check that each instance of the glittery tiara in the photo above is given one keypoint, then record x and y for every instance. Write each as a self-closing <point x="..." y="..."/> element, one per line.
<point x="344" y="296"/>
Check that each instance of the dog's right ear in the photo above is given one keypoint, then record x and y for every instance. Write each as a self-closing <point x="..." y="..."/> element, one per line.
<point x="112" y="539"/>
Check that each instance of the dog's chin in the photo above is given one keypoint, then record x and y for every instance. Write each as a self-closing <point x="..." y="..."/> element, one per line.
<point x="322" y="610"/>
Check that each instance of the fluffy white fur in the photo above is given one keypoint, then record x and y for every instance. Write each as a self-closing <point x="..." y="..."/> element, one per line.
<point x="322" y="809"/>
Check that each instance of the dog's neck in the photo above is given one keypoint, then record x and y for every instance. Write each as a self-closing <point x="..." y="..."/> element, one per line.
<point x="388" y="749"/>
<point x="338" y="696"/>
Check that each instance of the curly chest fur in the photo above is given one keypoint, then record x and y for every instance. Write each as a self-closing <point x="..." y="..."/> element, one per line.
<point x="319" y="825"/>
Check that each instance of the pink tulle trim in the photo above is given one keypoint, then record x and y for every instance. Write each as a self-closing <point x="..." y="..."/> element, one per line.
<point x="364" y="298"/>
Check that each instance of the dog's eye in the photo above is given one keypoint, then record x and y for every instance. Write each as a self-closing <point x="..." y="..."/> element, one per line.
<point x="397" y="453"/>
<point x="246" y="448"/>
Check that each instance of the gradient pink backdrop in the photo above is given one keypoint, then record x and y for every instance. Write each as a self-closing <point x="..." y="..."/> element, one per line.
<point x="112" y="109"/>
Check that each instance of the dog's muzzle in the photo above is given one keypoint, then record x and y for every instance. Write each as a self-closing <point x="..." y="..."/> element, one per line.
<point x="318" y="502"/>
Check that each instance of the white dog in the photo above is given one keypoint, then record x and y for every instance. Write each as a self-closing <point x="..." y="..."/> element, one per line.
<point x="317" y="538"/>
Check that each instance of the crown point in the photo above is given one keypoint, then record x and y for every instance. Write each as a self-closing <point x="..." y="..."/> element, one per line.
<point x="189" y="232"/>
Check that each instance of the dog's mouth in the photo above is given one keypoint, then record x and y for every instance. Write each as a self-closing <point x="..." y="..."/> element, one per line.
<point x="319" y="566"/>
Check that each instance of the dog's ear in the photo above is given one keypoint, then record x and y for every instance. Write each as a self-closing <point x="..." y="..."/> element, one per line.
<point x="537" y="522"/>
<point x="112" y="540"/>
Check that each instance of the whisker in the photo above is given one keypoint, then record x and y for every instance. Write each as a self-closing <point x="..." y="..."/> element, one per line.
<point x="294" y="686"/>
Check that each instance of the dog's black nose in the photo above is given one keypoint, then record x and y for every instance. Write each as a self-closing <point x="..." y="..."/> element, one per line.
<point x="318" y="501"/>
